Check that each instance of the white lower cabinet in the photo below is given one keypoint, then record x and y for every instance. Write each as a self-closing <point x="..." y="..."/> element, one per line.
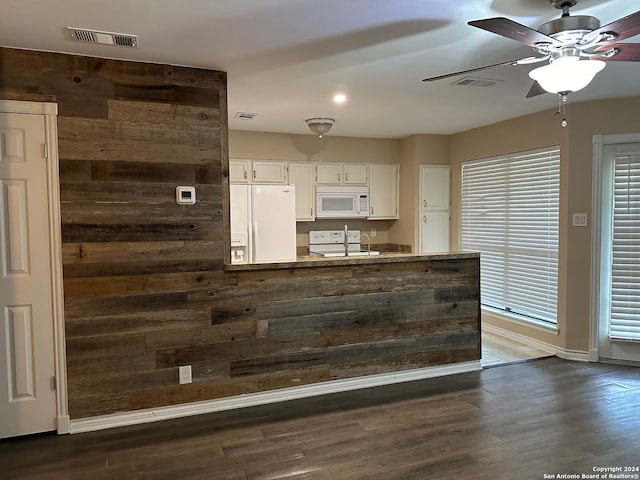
<point x="301" y="175"/>
<point x="383" y="191"/>
<point x="434" y="231"/>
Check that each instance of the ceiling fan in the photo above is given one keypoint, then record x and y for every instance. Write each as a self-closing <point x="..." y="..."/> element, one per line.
<point x="576" y="48"/>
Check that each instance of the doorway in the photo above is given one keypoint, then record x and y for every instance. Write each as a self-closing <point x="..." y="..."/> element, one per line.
<point x="32" y="377"/>
<point x="615" y="292"/>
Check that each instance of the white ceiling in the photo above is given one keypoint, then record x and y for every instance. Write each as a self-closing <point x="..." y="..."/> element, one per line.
<point x="287" y="58"/>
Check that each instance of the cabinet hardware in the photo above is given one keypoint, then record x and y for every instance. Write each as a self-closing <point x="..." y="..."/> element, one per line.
<point x="338" y="177"/>
<point x="424" y="203"/>
<point x="346" y="177"/>
<point x="425" y="219"/>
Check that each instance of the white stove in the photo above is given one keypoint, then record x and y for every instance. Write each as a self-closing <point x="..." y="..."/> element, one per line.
<point x="330" y="243"/>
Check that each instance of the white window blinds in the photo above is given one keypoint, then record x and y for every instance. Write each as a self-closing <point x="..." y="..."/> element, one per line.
<point x="625" y="270"/>
<point x="509" y="213"/>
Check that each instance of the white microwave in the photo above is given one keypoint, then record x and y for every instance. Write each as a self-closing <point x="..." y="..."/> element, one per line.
<point x="342" y="201"/>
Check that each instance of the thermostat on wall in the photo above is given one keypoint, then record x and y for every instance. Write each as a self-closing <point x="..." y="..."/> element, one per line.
<point x="185" y="195"/>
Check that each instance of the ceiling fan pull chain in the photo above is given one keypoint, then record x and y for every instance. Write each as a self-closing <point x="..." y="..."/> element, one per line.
<point x="562" y="108"/>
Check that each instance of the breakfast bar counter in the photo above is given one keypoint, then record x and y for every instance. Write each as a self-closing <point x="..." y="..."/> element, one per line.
<point x="314" y="260"/>
<point x="320" y="320"/>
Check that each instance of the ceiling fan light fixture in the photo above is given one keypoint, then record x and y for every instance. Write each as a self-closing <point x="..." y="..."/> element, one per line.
<point x="320" y="125"/>
<point x="566" y="74"/>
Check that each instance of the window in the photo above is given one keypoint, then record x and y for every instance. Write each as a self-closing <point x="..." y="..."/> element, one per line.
<point x="509" y="213"/>
<point x="625" y="246"/>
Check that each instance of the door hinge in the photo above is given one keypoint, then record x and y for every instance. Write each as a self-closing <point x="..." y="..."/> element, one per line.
<point x="55" y="382"/>
<point x="46" y="150"/>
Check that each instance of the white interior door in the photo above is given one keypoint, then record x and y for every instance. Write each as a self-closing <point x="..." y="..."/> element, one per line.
<point x="27" y="363"/>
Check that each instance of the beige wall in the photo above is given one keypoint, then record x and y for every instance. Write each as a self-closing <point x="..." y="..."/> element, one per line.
<point x="540" y="130"/>
<point x="279" y="146"/>
<point x="409" y="153"/>
<point x="529" y="132"/>
<point x="415" y="150"/>
<point x="604" y="117"/>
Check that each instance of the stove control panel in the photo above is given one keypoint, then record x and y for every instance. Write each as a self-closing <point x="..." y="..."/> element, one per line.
<point x="332" y="237"/>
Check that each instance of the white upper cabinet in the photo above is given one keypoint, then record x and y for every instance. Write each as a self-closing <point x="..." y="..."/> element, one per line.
<point x="434" y="187"/>
<point x="301" y="175"/>
<point x="355" y="173"/>
<point x="269" y="171"/>
<point x="329" y="173"/>
<point x="383" y="191"/>
<point x="239" y="171"/>
<point x="342" y="173"/>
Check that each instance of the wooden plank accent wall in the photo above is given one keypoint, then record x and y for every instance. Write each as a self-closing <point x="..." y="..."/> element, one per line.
<point x="145" y="288"/>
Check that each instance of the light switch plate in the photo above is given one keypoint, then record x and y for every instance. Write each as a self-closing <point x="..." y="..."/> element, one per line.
<point x="579" y="219"/>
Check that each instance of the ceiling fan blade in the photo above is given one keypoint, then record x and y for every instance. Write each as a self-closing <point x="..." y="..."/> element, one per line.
<point x="521" y="61"/>
<point x="513" y="30"/>
<point x="472" y="70"/>
<point x="627" y="52"/>
<point x="624" y="27"/>
<point x="535" y="90"/>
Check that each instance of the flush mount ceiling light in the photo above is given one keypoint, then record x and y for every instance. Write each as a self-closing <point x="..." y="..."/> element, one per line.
<point x="566" y="74"/>
<point x="320" y="125"/>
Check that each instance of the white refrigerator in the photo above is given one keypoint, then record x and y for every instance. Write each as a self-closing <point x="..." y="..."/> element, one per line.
<point x="263" y="223"/>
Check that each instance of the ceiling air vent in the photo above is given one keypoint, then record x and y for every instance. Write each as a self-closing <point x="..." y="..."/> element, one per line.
<point x="476" y="82"/>
<point x="103" y="38"/>
<point x="245" y="116"/>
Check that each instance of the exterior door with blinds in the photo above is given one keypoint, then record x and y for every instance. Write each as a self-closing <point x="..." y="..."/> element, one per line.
<point x="619" y="329"/>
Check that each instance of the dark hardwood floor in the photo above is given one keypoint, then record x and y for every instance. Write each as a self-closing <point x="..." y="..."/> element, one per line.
<point x="516" y="421"/>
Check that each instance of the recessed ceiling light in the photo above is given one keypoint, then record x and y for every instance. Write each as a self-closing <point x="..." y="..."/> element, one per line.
<point x="339" y="98"/>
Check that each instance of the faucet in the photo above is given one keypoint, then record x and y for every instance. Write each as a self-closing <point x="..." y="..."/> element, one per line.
<point x="346" y="241"/>
<point x="368" y="242"/>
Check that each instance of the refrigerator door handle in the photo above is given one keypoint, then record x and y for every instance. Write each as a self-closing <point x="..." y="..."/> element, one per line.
<point x="254" y="253"/>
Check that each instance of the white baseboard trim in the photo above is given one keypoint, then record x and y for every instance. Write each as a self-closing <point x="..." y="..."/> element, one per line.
<point x="574" y="355"/>
<point x="262" y="398"/>
<point x="63" y="424"/>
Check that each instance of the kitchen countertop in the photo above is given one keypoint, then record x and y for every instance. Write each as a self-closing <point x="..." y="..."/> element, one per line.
<point x="320" y="261"/>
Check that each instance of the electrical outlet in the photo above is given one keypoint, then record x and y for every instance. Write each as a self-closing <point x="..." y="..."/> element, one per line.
<point x="185" y="374"/>
<point x="373" y="232"/>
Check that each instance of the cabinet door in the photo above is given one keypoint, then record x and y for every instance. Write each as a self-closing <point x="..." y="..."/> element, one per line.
<point x="434" y="233"/>
<point x="329" y="173"/>
<point x="355" y="173"/>
<point x="383" y="191"/>
<point x="269" y="172"/>
<point x="434" y="187"/>
<point x="301" y="175"/>
<point x="239" y="171"/>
